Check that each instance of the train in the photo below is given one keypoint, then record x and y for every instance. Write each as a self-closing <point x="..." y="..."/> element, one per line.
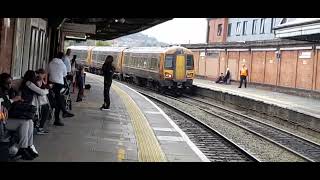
<point x="161" y="68"/>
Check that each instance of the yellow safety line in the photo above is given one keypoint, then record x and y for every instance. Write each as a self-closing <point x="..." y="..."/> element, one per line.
<point x="149" y="149"/>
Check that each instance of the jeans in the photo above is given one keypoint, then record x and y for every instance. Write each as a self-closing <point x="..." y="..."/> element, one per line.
<point x="60" y="101"/>
<point x="44" y="115"/>
<point x="25" y="131"/>
<point x="243" y="78"/>
<point x="106" y="95"/>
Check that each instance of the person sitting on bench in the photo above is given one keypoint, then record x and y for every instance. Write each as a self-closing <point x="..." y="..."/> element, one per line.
<point x="24" y="127"/>
<point x="220" y="79"/>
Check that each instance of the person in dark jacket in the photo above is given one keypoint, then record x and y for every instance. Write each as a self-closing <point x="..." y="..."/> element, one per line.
<point x="227" y="77"/>
<point x="108" y="71"/>
<point x="24" y="127"/>
<point x="220" y="78"/>
<point x="80" y="82"/>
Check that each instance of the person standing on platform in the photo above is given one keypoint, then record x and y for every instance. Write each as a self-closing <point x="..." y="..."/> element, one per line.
<point x="66" y="61"/>
<point x="80" y="82"/>
<point x="73" y="72"/>
<point x="227" y="77"/>
<point x="57" y="71"/>
<point x="243" y="76"/>
<point x="108" y="71"/>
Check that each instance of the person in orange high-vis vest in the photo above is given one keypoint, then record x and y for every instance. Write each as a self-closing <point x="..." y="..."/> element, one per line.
<point x="243" y="75"/>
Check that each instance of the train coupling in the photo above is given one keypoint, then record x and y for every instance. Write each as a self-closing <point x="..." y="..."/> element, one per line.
<point x="179" y="85"/>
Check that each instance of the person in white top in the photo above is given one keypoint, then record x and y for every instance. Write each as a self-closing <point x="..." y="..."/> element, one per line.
<point x="57" y="72"/>
<point x="66" y="61"/>
<point x="33" y="94"/>
<point x="43" y="100"/>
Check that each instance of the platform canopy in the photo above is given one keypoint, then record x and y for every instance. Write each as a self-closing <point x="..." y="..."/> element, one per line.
<point x="302" y="29"/>
<point x="104" y="28"/>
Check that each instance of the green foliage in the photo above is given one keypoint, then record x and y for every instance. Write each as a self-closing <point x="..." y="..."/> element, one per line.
<point x="103" y="43"/>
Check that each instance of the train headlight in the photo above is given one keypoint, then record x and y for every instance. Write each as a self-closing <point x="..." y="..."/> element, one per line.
<point x="168" y="75"/>
<point x="189" y="75"/>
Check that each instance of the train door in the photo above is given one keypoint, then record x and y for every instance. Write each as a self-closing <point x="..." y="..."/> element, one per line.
<point x="180" y="67"/>
<point x="89" y="57"/>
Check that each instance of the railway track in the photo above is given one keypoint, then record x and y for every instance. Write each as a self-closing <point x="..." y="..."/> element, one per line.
<point x="300" y="146"/>
<point x="213" y="144"/>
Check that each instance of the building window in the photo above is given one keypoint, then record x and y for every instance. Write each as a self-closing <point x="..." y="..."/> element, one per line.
<point x="254" y="26"/>
<point x="271" y="26"/>
<point x="229" y="29"/>
<point x="263" y="21"/>
<point x="284" y="20"/>
<point x="219" y="29"/>
<point x="238" y="30"/>
<point x="244" y="29"/>
<point x="18" y="50"/>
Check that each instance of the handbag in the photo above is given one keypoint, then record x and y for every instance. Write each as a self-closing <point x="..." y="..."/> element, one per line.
<point x="21" y="110"/>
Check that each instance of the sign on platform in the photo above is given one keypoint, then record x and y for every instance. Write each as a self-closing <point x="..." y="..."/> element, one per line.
<point x="305" y="55"/>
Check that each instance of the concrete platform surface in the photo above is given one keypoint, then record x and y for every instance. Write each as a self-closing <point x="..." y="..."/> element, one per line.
<point x="134" y="129"/>
<point x="303" y="105"/>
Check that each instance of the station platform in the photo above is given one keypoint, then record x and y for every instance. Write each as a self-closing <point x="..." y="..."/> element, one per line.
<point x="302" y="111"/>
<point x="133" y="130"/>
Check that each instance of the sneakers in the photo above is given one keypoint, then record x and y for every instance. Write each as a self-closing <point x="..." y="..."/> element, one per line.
<point x="41" y="131"/>
<point x="24" y="153"/>
<point x="32" y="153"/>
<point x="58" y="123"/>
<point x="104" y="108"/>
<point x="67" y="114"/>
<point x="79" y="100"/>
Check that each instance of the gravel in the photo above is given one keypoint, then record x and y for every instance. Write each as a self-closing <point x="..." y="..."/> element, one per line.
<point x="258" y="147"/>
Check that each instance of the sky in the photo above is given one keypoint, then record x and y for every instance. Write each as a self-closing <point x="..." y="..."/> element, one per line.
<point x="180" y="31"/>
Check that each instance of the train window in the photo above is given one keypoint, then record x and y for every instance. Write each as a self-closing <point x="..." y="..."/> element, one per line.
<point x="126" y="60"/>
<point x="140" y="65"/>
<point x="153" y="64"/>
<point x="136" y="62"/>
<point x="190" y="62"/>
<point x="169" y="62"/>
<point x="131" y="61"/>
<point x="115" y="60"/>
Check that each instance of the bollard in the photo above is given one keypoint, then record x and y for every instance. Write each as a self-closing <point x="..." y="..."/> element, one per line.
<point x="84" y="80"/>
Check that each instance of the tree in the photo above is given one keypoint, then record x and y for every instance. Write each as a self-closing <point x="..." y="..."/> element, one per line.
<point x="103" y="43"/>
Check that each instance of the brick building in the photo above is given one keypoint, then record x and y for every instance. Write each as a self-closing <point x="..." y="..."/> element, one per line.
<point x="243" y="29"/>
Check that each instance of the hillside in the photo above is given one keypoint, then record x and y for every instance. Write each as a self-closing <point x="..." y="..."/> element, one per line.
<point x="133" y="40"/>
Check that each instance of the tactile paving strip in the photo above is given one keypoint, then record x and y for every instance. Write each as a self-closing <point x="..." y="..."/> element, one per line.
<point x="149" y="149"/>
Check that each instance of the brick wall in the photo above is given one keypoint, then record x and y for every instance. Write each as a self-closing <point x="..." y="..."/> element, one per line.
<point x="213" y="31"/>
<point x="295" y="68"/>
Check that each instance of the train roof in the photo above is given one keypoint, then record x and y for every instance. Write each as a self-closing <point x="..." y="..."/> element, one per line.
<point x="132" y="49"/>
<point x="155" y="49"/>
<point x="108" y="48"/>
<point x="80" y="47"/>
